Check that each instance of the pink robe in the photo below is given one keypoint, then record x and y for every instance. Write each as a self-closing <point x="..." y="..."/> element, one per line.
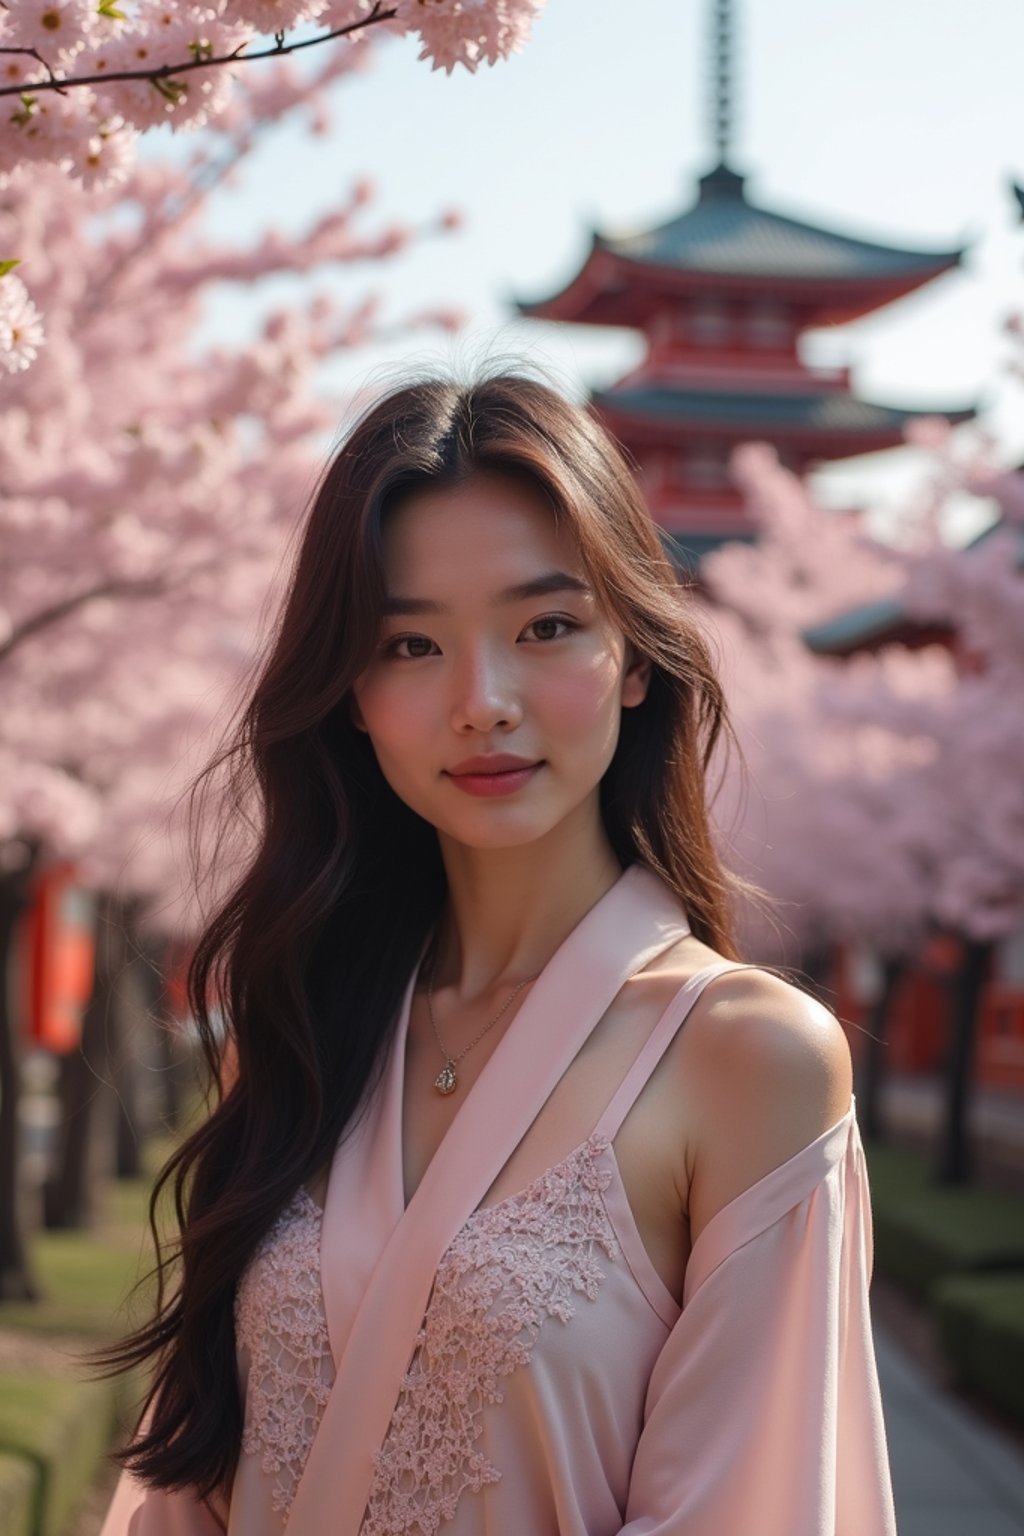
<point x="520" y="1369"/>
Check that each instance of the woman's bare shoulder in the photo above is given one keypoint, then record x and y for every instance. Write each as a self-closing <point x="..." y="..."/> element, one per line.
<point x="764" y="1069"/>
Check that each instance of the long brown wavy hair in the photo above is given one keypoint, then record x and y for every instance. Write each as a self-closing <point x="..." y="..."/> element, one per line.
<point x="307" y="958"/>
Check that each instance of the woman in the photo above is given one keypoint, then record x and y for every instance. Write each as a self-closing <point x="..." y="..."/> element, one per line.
<point x="482" y="1239"/>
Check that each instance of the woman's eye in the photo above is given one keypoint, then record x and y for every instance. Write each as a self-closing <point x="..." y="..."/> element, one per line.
<point x="417" y="646"/>
<point x="391" y="648"/>
<point x="567" y="625"/>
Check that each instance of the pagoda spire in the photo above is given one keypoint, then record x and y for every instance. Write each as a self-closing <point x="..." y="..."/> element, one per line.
<point x="722" y="77"/>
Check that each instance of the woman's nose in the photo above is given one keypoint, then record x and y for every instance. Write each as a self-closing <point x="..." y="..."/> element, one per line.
<point x="485" y="693"/>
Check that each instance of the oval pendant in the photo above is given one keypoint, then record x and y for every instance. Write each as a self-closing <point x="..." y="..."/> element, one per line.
<point x="445" y="1080"/>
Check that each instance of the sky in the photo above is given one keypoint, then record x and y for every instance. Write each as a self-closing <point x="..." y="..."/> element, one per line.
<point x="895" y="120"/>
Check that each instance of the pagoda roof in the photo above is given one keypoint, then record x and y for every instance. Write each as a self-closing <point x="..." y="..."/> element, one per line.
<point x="887" y="619"/>
<point x="866" y="625"/>
<point x="805" y="413"/>
<point x="724" y="232"/>
<point x="731" y="240"/>
<point x="687" y="550"/>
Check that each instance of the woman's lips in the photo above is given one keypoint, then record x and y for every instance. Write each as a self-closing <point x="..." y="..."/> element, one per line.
<point x="502" y="783"/>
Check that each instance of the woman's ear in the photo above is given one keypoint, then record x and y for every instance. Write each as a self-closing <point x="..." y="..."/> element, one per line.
<point x="636" y="678"/>
<point x="355" y="714"/>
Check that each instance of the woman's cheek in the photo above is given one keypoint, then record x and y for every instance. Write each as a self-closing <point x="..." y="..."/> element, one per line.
<point x="391" y="707"/>
<point x="583" y="696"/>
<point x="401" y="723"/>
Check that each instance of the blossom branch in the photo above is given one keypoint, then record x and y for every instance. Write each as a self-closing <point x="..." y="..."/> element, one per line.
<point x="54" y="83"/>
<point x="147" y="586"/>
<point x="162" y="73"/>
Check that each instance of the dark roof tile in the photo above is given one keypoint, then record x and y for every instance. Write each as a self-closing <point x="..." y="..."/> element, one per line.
<point x="725" y="234"/>
<point x="825" y="411"/>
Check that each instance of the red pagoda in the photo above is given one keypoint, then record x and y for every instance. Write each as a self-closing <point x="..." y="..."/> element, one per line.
<point x="722" y="294"/>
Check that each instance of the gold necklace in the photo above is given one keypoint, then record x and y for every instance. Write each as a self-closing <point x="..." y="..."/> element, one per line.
<point x="447" y="1080"/>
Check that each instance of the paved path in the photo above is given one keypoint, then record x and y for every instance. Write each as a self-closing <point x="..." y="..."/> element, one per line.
<point x="952" y="1474"/>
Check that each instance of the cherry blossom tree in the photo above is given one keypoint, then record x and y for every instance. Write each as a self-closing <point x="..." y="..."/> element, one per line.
<point x="887" y="804"/>
<point x="148" y="487"/>
<point x="84" y="78"/>
<point x="965" y="806"/>
<point x="783" y="821"/>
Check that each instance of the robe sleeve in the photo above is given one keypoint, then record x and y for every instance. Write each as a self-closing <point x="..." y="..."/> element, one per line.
<point x="763" y="1415"/>
<point x="137" y="1510"/>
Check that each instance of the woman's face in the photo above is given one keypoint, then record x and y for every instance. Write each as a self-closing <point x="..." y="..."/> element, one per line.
<point x="492" y="643"/>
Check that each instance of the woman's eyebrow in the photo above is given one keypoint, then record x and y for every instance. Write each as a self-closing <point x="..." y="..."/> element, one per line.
<point x="538" y="586"/>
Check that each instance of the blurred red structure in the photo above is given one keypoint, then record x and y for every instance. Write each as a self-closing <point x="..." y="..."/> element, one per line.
<point x="917" y="1025"/>
<point x="176" y="962"/>
<point x="1001" y="1044"/>
<point x="58" y="953"/>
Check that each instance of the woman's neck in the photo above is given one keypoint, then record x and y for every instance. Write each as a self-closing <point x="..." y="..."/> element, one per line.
<point x="509" y="909"/>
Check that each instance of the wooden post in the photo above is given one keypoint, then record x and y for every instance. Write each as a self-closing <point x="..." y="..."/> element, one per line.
<point x="872" y="1074"/>
<point x="954" y="1164"/>
<point x="17" y="1282"/>
<point x="85" y="1149"/>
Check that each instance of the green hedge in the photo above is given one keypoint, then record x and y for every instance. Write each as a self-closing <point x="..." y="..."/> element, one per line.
<point x="60" y="1431"/>
<point x="19" y="1495"/>
<point x="926" y="1231"/>
<point x="961" y="1250"/>
<point x="980" y="1325"/>
<point x="55" y="1430"/>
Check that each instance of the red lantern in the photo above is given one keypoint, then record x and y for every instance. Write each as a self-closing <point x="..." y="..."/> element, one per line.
<point x="58" y="938"/>
<point x="176" y="962"/>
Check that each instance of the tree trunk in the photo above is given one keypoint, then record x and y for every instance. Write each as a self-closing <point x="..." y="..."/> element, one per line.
<point x="817" y="971"/>
<point x="174" y="1064"/>
<point x="126" y="1074"/>
<point x="17" y="1282"/>
<point x="85" y="1147"/>
<point x="172" y="1073"/>
<point x="871" y="1075"/>
<point x="954" y="1164"/>
<point x="138" y="1061"/>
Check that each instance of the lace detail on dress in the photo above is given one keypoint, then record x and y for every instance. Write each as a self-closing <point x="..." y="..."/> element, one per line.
<point x="512" y="1265"/>
<point x="279" y="1319"/>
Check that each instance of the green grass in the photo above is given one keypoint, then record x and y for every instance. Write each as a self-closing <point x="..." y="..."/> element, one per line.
<point x="85" y="1283"/>
<point x="86" y="1278"/>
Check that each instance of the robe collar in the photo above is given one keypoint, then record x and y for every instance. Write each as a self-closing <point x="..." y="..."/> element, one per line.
<point x="379" y="1260"/>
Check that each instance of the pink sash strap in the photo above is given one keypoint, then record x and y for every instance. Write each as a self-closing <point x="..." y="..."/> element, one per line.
<point x="672" y="1019"/>
<point x="633" y="922"/>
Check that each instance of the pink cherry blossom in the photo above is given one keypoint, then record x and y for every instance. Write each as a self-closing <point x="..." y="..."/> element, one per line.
<point x="21" y="329"/>
<point x="186" y="100"/>
<point x="56" y="29"/>
<point x="105" y="157"/>
<point x="469" y="32"/>
<point x="272" y="16"/>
